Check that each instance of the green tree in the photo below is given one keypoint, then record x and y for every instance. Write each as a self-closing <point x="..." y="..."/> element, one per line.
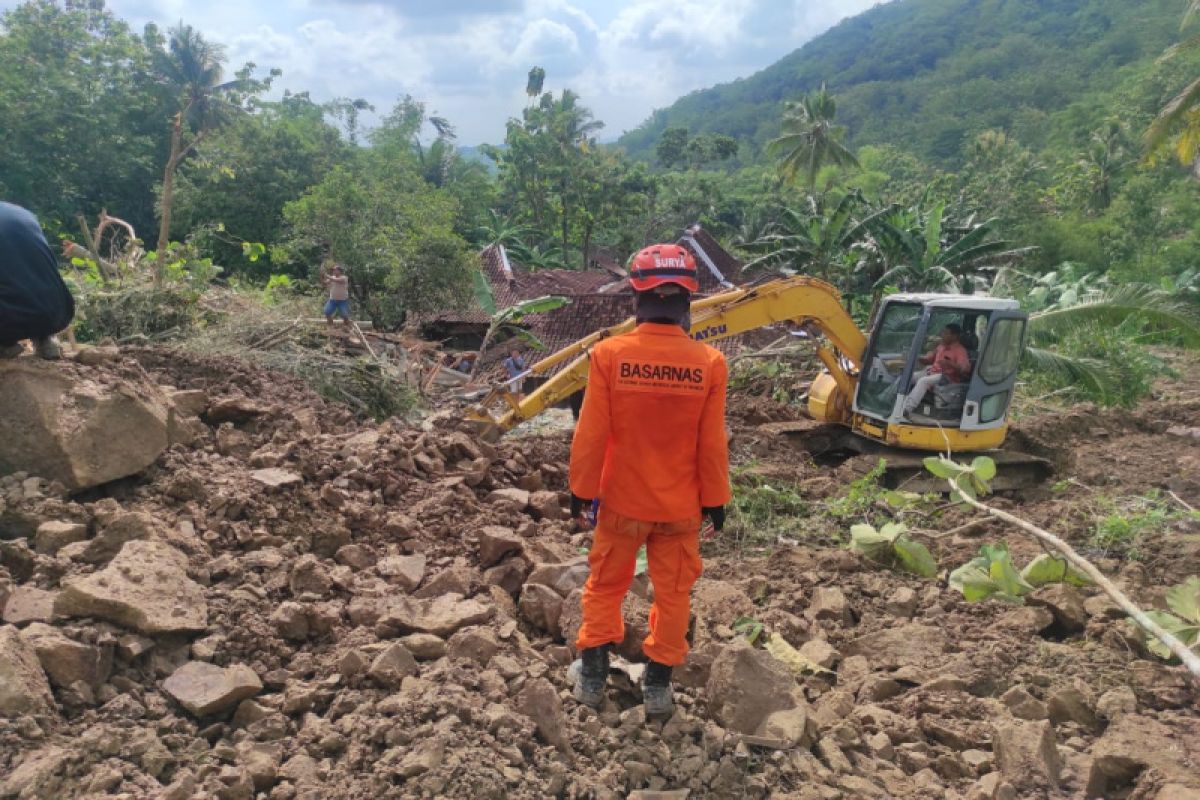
<point x="393" y="232"/>
<point x="1180" y="117"/>
<point x="810" y="139"/>
<point x="193" y="71"/>
<point x="236" y="185"/>
<point x="78" y="114"/>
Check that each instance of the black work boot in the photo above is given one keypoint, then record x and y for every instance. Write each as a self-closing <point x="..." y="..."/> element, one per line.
<point x="656" y="690"/>
<point x="593" y="676"/>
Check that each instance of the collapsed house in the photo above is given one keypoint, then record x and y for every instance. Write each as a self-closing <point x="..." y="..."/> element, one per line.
<point x="600" y="298"/>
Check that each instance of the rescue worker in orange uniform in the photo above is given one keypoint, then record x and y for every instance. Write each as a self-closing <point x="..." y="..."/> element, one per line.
<point x="651" y="446"/>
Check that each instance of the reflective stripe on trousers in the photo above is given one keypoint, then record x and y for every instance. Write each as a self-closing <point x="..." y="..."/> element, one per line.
<point x="673" y="555"/>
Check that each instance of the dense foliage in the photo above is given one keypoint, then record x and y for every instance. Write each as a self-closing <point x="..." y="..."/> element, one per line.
<point x="941" y="145"/>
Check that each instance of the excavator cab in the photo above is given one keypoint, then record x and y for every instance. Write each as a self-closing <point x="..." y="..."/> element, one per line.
<point x="971" y="414"/>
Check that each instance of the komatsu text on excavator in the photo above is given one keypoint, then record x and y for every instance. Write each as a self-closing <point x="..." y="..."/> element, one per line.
<point x="860" y="396"/>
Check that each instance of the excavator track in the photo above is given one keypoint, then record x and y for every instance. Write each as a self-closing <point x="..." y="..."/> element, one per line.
<point x="831" y="444"/>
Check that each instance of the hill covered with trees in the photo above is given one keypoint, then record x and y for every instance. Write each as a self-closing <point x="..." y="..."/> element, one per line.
<point x="928" y="75"/>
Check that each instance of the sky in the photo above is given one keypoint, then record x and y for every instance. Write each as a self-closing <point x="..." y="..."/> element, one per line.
<point x="468" y="59"/>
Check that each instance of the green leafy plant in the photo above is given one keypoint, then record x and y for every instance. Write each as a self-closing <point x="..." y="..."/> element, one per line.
<point x="1184" y="623"/>
<point x="992" y="575"/>
<point x="892" y="547"/>
<point x="970" y="480"/>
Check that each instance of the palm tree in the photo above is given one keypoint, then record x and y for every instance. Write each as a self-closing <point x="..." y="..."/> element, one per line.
<point x="810" y="140"/>
<point x="1182" y="112"/>
<point x="192" y="69"/>
<point x="533" y="86"/>
<point x="1134" y="308"/>
<point x="1102" y="161"/>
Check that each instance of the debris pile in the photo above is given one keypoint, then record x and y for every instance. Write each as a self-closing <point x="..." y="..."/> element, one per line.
<point x="291" y="604"/>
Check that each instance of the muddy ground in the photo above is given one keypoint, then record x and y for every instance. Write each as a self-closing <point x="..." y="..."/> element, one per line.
<point x="312" y="607"/>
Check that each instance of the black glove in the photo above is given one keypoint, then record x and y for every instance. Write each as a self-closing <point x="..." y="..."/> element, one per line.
<point x="716" y="514"/>
<point x="577" y="505"/>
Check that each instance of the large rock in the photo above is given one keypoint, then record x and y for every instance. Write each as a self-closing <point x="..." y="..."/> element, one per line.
<point x="746" y="686"/>
<point x="29" y="604"/>
<point x="440" y="616"/>
<point x="908" y="645"/>
<point x="542" y="607"/>
<point x="1026" y="754"/>
<point x="392" y="666"/>
<point x="56" y="534"/>
<point x="65" y="660"/>
<point x="145" y="588"/>
<point x="539" y="701"/>
<point x="495" y="543"/>
<point x="407" y="572"/>
<point x="205" y="689"/>
<point x="23" y="686"/>
<point x="74" y="429"/>
<point x="1134" y="744"/>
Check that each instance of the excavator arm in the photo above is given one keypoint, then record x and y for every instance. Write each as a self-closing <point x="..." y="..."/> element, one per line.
<point x="806" y="302"/>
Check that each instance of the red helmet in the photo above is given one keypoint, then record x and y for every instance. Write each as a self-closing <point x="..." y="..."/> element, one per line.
<point x="663" y="263"/>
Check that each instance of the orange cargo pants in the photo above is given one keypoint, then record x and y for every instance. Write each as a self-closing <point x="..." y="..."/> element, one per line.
<point x="673" y="554"/>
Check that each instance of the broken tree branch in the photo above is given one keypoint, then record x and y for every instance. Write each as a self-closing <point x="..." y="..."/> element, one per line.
<point x="1190" y="660"/>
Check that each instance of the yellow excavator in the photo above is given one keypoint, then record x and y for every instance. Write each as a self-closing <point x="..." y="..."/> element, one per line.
<point x="858" y="400"/>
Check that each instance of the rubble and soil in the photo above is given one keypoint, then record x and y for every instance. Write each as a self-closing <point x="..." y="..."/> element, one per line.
<point x="289" y="603"/>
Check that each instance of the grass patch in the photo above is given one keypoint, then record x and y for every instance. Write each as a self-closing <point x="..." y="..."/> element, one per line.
<point x="1123" y="523"/>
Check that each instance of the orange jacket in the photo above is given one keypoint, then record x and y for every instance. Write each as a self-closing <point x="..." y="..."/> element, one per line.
<point x="650" y="442"/>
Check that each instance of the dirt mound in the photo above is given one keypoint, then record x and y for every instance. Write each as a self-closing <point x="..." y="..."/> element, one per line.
<point x="294" y="605"/>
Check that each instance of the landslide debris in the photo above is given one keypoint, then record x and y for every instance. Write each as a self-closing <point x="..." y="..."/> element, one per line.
<point x="289" y="604"/>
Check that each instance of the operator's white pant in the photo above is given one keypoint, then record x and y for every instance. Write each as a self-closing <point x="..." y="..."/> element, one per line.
<point x="920" y="388"/>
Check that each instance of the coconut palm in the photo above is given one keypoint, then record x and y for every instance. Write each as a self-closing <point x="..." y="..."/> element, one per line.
<point x="810" y="139"/>
<point x="1182" y="113"/>
<point x="192" y="70"/>
<point x="1136" y="310"/>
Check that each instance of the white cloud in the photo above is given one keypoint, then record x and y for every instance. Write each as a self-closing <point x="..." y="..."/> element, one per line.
<point x="467" y="59"/>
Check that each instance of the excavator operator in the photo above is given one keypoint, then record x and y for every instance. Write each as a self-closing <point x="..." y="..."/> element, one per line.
<point x="651" y="446"/>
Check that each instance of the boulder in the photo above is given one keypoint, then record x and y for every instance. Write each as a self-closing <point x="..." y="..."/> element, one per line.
<point x="40" y="773"/>
<point x="1023" y="705"/>
<point x="477" y="644"/>
<point x="440" y="616"/>
<point x="1065" y="603"/>
<point x="23" y="685"/>
<point x="205" y="689"/>
<point x="29" y="604"/>
<point x="392" y="666"/>
<point x="1135" y="744"/>
<point x="1026" y="754"/>
<point x="117" y="528"/>
<point x="542" y="607"/>
<point x="52" y="536"/>
<point x="65" y="660"/>
<point x="290" y="621"/>
<point x="540" y="702"/>
<point x="234" y="409"/>
<point x="912" y="644"/>
<point x="310" y="578"/>
<point x="513" y="497"/>
<point x="407" y="572"/>
<point x="65" y="427"/>
<point x="495" y="543"/>
<point x="145" y="587"/>
<point x="564" y="577"/>
<point x="828" y="602"/>
<point x="746" y="686"/>
<point x="424" y="646"/>
<point x="1068" y="704"/>
<point x="276" y="478"/>
<point x="546" y="505"/>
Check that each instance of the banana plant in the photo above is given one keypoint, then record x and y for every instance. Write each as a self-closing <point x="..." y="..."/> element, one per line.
<point x="510" y="317"/>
